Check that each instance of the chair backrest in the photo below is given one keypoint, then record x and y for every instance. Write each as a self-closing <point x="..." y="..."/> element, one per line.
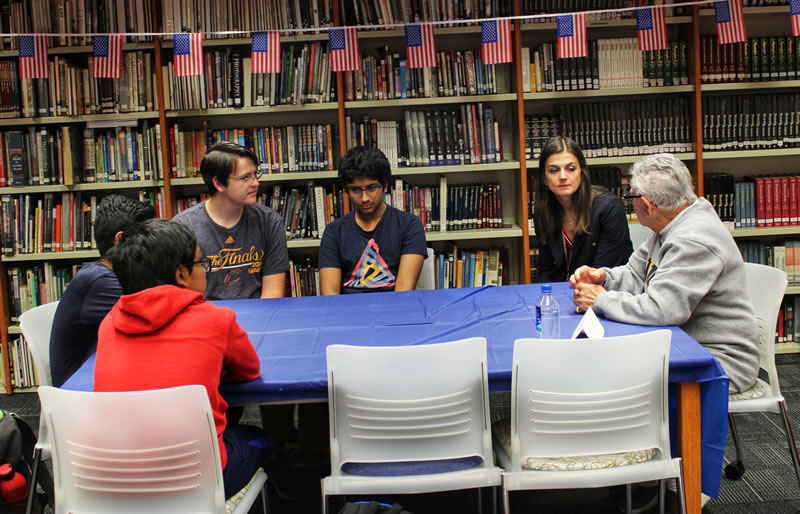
<point x="639" y="234"/>
<point x="35" y="325"/>
<point x="141" y="451"/>
<point x="408" y="403"/>
<point x="589" y="396"/>
<point x="766" y="286"/>
<point x="427" y="277"/>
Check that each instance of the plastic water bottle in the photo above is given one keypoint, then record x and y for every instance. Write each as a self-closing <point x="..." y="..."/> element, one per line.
<point x="13" y="485"/>
<point x="547" y="323"/>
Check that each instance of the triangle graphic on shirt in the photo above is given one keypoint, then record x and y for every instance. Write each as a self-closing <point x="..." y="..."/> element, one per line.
<point x="229" y="240"/>
<point x="371" y="270"/>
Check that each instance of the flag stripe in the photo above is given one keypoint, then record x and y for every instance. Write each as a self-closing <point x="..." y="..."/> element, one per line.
<point x="344" y="49"/>
<point x="496" y="41"/>
<point x="652" y="28"/>
<point x="33" y="57"/>
<point x="190" y="62"/>
<point x="266" y="52"/>
<point x="572" y="44"/>
<point x="730" y="22"/>
<point x="422" y="55"/>
<point x="110" y="64"/>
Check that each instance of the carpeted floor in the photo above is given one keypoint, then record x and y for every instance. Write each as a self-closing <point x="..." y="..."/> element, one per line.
<point x="768" y="486"/>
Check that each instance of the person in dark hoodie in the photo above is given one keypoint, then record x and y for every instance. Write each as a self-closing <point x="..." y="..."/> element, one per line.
<point x="162" y="333"/>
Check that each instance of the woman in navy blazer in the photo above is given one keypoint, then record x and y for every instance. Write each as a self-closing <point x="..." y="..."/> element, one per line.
<point x="575" y="223"/>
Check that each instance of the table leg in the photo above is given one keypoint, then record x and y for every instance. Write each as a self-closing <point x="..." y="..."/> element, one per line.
<point x="689" y="437"/>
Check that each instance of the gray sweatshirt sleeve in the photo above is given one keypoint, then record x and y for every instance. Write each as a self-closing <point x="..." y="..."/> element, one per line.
<point x="628" y="278"/>
<point x="675" y="287"/>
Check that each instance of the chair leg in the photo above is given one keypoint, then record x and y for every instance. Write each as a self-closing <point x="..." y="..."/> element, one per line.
<point x="681" y="492"/>
<point x="37" y="454"/>
<point x="735" y="470"/>
<point x="480" y="500"/>
<point x="661" y="495"/>
<point x="506" y="502"/>
<point x="628" y="500"/>
<point x="787" y="426"/>
<point x="264" y="504"/>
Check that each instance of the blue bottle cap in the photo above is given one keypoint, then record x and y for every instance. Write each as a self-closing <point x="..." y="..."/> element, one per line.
<point x="547" y="288"/>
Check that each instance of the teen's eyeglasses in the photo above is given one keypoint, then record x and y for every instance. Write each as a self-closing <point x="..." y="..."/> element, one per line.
<point x="247" y="178"/>
<point x="205" y="262"/>
<point x="370" y="189"/>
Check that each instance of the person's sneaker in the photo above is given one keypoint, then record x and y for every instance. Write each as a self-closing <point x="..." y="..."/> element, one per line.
<point x="643" y="498"/>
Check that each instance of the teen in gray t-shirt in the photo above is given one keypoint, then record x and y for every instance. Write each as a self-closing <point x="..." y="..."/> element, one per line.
<point x="240" y="255"/>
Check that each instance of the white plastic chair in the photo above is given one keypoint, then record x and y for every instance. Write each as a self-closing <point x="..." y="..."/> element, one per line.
<point x="427" y="277"/>
<point x="639" y="234"/>
<point x="425" y="405"/>
<point x="574" y="403"/>
<point x="36" y="325"/>
<point x="138" y="452"/>
<point x="766" y="286"/>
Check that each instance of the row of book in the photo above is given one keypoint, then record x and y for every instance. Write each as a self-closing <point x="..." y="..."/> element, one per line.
<point x="635" y="127"/>
<point x="388" y="76"/>
<point x="763" y="200"/>
<point x="569" y="6"/>
<point x="458" y="268"/>
<point x="788" y="331"/>
<point x="211" y="16"/>
<point x="70" y="155"/>
<point x="757" y="59"/>
<point x="72" y="89"/>
<point x="447" y="208"/>
<point x="751" y="122"/>
<point x="379" y="12"/>
<point x="77" y="17"/>
<point x="37" y="284"/>
<point x="468" y="134"/>
<point x="279" y="149"/>
<point x="305" y="211"/>
<point x="20" y="365"/>
<point x="55" y="222"/>
<point x="783" y="255"/>
<point x="609" y="64"/>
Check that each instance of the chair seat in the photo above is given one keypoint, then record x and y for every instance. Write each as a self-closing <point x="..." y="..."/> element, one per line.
<point x="756" y="391"/>
<point x="502" y="432"/>
<point x="256" y="483"/>
<point x="395" y="469"/>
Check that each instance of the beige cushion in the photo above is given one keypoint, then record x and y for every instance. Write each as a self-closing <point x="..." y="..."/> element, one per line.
<point x="756" y="391"/>
<point x="502" y="432"/>
<point x="233" y="501"/>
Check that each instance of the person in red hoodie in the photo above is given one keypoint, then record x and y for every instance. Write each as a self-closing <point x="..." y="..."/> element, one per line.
<point x="162" y="333"/>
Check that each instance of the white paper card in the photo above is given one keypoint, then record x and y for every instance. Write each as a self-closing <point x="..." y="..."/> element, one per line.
<point x="589" y="327"/>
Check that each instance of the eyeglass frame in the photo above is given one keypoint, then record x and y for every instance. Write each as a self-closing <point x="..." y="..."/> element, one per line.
<point x="205" y="262"/>
<point x="245" y="179"/>
<point x="631" y="197"/>
<point x="355" y="190"/>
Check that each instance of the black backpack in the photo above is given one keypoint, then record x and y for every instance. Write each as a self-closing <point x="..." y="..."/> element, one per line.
<point x="17" y="442"/>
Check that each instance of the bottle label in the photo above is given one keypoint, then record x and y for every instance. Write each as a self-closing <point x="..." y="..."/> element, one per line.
<point x="538" y="321"/>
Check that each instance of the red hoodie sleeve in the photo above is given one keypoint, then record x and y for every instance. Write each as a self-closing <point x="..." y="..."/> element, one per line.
<point x="240" y="360"/>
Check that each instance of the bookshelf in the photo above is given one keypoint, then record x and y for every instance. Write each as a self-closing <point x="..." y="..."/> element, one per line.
<point x="509" y="102"/>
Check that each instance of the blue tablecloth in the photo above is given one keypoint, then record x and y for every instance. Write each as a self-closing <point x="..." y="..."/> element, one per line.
<point x="291" y="334"/>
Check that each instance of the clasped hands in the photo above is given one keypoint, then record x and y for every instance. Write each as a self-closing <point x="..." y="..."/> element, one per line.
<point x="586" y="284"/>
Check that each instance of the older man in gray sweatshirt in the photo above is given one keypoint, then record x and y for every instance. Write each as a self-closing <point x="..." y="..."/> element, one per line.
<point x="689" y="272"/>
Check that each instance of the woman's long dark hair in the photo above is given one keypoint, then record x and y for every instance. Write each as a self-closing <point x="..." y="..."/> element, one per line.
<point x="548" y="212"/>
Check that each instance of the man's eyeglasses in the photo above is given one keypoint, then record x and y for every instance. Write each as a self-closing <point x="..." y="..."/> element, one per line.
<point x="205" y="262"/>
<point x="631" y="197"/>
<point x="247" y="178"/>
<point x="370" y="189"/>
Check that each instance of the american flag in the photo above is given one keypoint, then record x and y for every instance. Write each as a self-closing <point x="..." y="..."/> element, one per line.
<point x="496" y="41"/>
<point x="33" y="57"/>
<point x="730" y="23"/>
<point x="795" y="13"/>
<point x="571" y="35"/>
<point x="652" y="28"/>
<point x="266" y="49"/>
<point x="344" y="49"/>
<point x="188" y="51"/>
<point x="107" y="56"/>
<point x="419" y="46"/>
